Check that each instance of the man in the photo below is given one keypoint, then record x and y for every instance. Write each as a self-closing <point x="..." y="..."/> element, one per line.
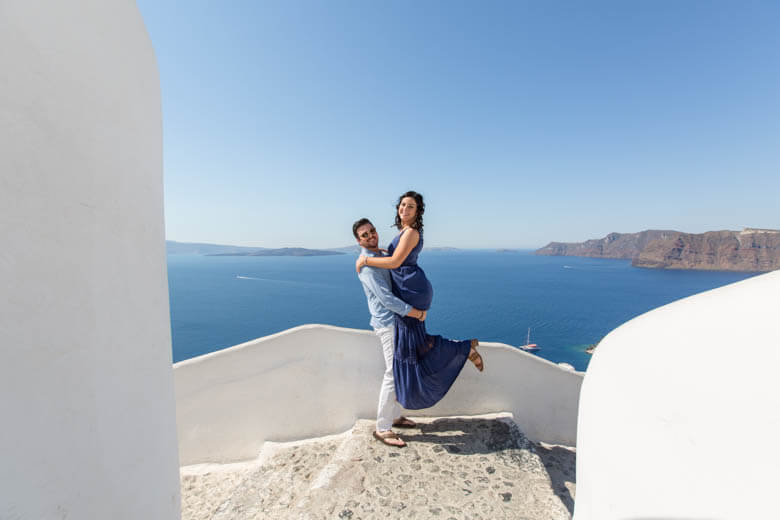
<point x="383" y="305"/>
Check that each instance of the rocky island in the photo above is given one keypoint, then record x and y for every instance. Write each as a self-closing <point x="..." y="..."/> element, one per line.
<point x="283" y="251"/>
<point x="751" y="249"/>
<point x="198" y="248"/>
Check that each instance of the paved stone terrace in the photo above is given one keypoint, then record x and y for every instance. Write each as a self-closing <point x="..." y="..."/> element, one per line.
<point x="453" y="468"/>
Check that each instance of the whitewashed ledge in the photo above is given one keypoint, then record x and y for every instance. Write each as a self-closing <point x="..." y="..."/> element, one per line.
<point x="317" y="380"/>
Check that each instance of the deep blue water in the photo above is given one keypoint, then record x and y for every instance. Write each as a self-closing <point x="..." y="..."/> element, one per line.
<point x="568" y="302"/>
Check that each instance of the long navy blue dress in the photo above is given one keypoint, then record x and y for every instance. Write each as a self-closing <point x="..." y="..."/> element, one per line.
<point x="424" y="366"/>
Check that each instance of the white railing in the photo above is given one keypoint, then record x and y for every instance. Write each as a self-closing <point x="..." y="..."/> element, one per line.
<point x="317" y="380"/>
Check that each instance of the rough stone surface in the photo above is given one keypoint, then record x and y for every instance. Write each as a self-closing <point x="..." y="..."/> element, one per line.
<point x="453" y="468"/>
<point x="614" y="245"/>
<point x="747" y="250"/>
<point x="715" y="250"/>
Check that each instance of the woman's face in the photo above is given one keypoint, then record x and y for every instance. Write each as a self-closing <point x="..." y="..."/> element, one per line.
<point x="407" y="210"/>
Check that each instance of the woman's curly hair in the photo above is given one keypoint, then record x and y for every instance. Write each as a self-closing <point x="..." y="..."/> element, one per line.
<point x="418" y="219"/>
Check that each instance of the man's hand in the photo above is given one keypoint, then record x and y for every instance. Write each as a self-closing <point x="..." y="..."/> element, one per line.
<point x="418" y="314"/>
<point x="359" y="263"/>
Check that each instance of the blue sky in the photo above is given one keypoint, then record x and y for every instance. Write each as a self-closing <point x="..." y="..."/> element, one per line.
<point x="521" y="122"/>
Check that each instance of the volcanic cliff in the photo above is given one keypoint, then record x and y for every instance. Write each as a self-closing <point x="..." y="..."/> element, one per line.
<point x="746" y="250"/>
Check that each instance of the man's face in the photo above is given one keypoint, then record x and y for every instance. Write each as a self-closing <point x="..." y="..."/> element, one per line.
<point x="367" y="236"/>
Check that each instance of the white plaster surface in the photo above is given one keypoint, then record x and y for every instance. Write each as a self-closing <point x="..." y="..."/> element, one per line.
<point x="317" y="380"/>
<point x="690" y="390"/>
<point x="87" y="421"/>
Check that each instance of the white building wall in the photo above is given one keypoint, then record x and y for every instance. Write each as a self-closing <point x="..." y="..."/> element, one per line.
<point x="316" y="380"/>
<point x="87" y="421"/>
<point x="680" y="411"/>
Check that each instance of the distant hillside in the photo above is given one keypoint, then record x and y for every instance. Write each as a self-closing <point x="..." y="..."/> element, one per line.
<point x="195" y="248"/>
<point x="746" y="250"/>
<point x="346" y="249"/>
<point x="356" y="249"/>
<point x="614" y="245"/>
<point x="283" y="251"/>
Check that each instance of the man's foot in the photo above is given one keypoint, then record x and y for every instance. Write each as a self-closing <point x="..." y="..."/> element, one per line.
<point x="474" y="356"/>
<point x="403" y="422"/>
<point x="390" y="438"/>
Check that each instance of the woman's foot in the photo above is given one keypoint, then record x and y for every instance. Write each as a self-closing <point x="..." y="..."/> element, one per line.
<point x="390" y="438"/>
<point x="474" y="356"/>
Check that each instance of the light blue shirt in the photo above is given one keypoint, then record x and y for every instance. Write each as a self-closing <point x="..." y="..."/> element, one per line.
<point x="382" y="303"/>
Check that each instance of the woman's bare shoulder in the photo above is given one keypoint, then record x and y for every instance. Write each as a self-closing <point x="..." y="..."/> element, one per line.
<point x="412" y="233"/>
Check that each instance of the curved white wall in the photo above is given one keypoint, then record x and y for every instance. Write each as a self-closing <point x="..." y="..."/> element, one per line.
<point x="87" y="427"/>
<point x="317" y="379"/>
<point x="680" y="411"/>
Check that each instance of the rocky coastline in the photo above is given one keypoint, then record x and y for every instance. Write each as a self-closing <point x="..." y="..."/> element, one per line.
<point x="749" y="250"/>
<point x="283" y="251"/>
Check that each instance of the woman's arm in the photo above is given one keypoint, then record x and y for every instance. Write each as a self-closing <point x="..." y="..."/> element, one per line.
<point x="408" y="241"/>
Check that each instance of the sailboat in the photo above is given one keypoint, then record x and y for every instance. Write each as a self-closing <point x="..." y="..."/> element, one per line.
<point x="529" y="347"/>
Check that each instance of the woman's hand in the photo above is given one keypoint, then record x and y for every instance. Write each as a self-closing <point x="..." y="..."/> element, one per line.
<point x="359" y="263"/>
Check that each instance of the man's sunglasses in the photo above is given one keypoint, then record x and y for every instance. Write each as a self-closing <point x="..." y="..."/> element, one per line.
<point x="368" y="233"/>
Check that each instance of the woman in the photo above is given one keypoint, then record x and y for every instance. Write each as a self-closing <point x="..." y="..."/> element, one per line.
<point x="424" y="366"/>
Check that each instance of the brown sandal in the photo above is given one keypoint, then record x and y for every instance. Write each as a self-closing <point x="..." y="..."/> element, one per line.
<point x="474" y="356"/>
<point x="403" y="422"/>
<point x="389" y="435"/>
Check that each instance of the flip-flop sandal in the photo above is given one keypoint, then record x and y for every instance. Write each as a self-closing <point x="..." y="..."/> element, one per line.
<point x="403" y="422"/>
<point x="389" y="434"/>
<point x="474" y="356"/>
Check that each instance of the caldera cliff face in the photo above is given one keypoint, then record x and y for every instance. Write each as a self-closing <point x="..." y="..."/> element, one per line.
<point x="746" y="250"/>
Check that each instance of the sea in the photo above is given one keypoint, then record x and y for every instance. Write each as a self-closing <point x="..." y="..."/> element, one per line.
<point x="568" y="303"/>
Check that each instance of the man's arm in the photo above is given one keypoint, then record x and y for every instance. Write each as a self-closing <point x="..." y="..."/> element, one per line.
<point x="385" y="295"/>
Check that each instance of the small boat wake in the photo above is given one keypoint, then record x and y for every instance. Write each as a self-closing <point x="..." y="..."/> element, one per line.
<point x="240" y="277"/>
<point x="290" y="282"/>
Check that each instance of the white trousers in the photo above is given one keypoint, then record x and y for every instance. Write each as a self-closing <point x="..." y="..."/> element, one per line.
<point x="388" y="409"/>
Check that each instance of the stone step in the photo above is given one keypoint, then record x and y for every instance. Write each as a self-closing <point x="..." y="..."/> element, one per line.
<point x="454" y="467"/>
